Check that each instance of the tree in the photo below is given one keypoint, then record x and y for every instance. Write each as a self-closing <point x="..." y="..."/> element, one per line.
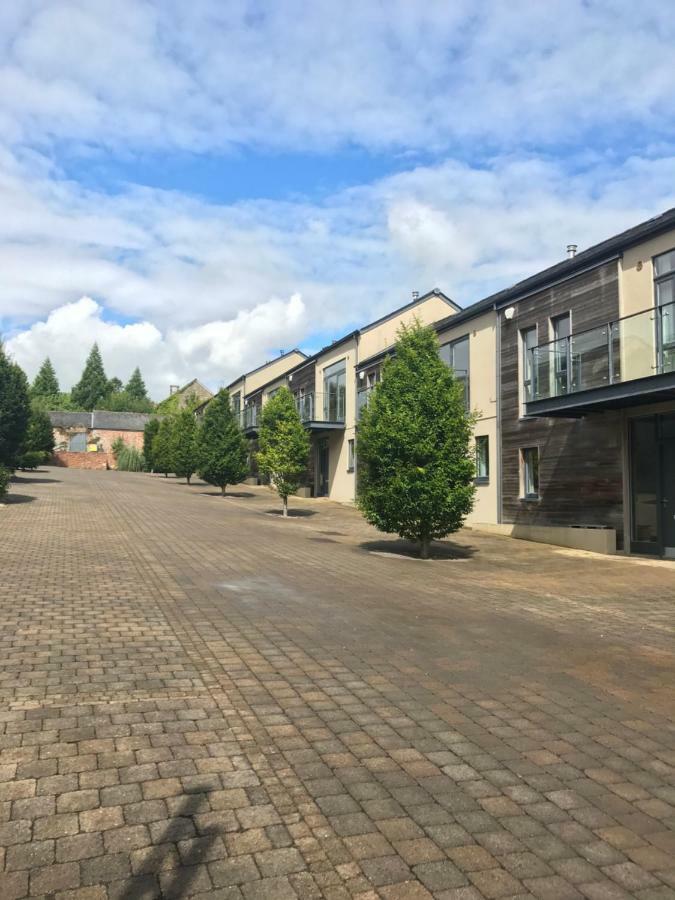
<point x="93" y="385"/>
<point x="136" y="386"/>
<point x="14" y="410"/>
<point x="284" y="445"/>
<point x="162" y="447"/>
<point x="185" y="444"/>
<point x="122" y="401"/>
<point x="415" y="465"/>
<point x="222" y="452"/>
<point x="46" y="383"/>
<point x="39" y="439"/>
<point x="149" y="433"/>
<point x="115" y="386"/>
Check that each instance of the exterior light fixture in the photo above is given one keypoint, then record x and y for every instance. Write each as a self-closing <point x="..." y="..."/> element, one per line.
<point x="509" y="312"/>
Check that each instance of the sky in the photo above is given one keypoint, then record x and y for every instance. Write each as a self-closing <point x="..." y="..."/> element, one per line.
<point x="197" y="186"/>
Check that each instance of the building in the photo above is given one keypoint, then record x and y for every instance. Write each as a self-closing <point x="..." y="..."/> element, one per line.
<point x="192" y="393"/>
<point x="84" y="439"/>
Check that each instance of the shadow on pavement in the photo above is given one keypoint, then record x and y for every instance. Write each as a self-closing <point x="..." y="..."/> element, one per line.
<point x="292" y="513"/>
<point x="445" y="550"/>
<point x="11" y="497"/>
<point x="29" y="479"/>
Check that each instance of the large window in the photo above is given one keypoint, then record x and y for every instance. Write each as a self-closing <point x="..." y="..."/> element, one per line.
<point x="561" y="326"/>
<point x="456" y="355"/>
<point x="529" y="472"/>
<point x="528" y="340"/>
<point x="664" y="285"/>
<point x="236" y="404"/>
<point x="334" y="392"/>
<point x="482" y="459"/>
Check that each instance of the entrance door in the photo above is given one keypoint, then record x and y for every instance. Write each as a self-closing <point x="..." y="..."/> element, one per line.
<point x="652" y="463"/>
<point x="322" y="467"/>
<point x="668" y="484"/>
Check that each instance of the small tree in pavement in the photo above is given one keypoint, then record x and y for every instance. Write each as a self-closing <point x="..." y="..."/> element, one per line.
<point x="149" y="434"/>
<point x="162" y="447"/>
<point x="185" y="444"/>
<point x="416" y="468"/>
<point x="284" y="445"/>
<point x="222" y="452"/>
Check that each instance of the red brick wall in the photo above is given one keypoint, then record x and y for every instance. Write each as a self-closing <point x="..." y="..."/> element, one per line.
<point x="130" y="438"/>
<point x="83" y="460"/>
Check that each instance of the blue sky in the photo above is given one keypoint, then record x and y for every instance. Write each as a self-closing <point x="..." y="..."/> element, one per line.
<point x="197" y="186"/>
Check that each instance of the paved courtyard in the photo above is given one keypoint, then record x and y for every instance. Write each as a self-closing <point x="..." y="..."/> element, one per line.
<point x="198" y="699"/>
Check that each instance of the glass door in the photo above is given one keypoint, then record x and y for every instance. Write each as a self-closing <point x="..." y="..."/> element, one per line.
<point x="652" y="468"/>
<point x="668" y="484"/>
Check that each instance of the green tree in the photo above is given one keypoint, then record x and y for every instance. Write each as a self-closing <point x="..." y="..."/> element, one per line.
<point x="185" y="444"/>
<point x="136" y="386"/>
<point x="415" y="463"/>
<point x="122" y="401"/>
<point x="46" y="383"/>
<point x="222" y="452"/>
<point x="115" y="386"/>
<point x="93" y="385"/>
<point x="284" y="445"/>
<point x="162" y="447"/>
<point x="14" y="410"/>
<point x="149" y="434"/>
<point x="39" y="440"/>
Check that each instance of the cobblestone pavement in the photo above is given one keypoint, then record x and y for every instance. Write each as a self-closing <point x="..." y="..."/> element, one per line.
<point x="198" y="699"/>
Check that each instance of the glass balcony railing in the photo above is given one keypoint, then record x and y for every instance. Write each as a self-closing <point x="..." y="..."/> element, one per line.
<point x="249" y="417"/>
<point x="329" y="408"/>
<point x="634" y="347"/>
<point x="362" y="397"/>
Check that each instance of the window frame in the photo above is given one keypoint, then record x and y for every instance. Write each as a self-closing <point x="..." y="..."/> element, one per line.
<point x="524" y="381"/>
<point x="524" y="474"/>
<point x="664" y="335"/>
<point x="351" y="454"/>
<point x="466" y="380"/>
<point x="484" y="440"/>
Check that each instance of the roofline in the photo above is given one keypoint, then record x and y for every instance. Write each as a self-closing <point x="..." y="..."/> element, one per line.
<point x="435" y="292"/>
<point x="268" y="363"/>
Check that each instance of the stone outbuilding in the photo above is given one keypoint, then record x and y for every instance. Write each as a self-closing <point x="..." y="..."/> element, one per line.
<point x="84" y="439"/>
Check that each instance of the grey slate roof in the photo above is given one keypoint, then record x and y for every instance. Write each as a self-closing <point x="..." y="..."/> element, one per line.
<point x="100" y="418"/>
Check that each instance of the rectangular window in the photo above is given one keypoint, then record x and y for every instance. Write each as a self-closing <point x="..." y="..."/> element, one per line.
<point x="664" y="286"/>
<point x="528" y="339"/>
<point x="456" y="355"/>
<point x="561" y="326"/>
<point x="236" y="403"/>
<point x="529" y="472"/>
<point x="350" y="456"/>
<point x="482" y="459"/>
<point x="334" y="392"/>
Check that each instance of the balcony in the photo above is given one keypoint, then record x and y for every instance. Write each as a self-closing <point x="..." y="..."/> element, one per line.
<point x="250" y="416"/>
<point x="362" y="397"/>
<point x="624" y="363"/>
<point x="322" y="412"/>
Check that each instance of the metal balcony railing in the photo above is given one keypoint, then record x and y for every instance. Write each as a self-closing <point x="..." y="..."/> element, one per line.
<point x="629" y="348"/>
<point x="328" y="408"/>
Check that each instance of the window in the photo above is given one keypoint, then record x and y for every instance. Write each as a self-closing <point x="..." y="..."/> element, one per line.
<point x="664" y="286"/>
<point x="334" y="390"/>
<point x="529" y="472"/>
<point x="528" y="339"/>
<point x="456" y="355"/>
<point x="561" y="326"/>
<point x="350" y="456"/>
<point x="482" y="459"/>
<point x="236" y="403"/>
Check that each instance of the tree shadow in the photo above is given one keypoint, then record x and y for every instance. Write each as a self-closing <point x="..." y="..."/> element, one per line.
<point x="29" y="479"/>
<point x="175" y="883"/>
<point x="439" y="550"/>
<point x="292" y="513"/>
<point x="10" y="497"/>
<point x="241" y="495"/>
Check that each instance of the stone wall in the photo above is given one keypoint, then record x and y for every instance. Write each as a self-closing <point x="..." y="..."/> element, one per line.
<point x="70" y="460"/>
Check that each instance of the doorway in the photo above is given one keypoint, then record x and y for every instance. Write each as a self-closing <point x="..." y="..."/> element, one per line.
<point x="652" y="468"/>
<point x="322" y="455"/>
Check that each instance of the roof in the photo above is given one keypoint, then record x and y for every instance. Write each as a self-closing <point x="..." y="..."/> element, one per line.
<point x="100" y="418"/>
<point x="262" y="366"/>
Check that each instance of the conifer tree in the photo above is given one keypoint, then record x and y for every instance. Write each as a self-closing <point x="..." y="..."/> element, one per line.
<point x="115" y="385"/>
<point x="222" y="450"/>
<point x="162" y="447"/>
<point x="93" y="385"/>
<point x="46" y="383"/>
<point x="149" y="434"/>
<point x="185" y="444"/>
<point x="284" y="445"/>
<point x="415" y="463"/>
<point x="39" y="438"/>
<point x="14" y="411"/>
<point x="136" y="386"/>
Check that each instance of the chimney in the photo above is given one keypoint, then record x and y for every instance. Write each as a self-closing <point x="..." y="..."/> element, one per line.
<point x="415" y="295"/>
<point x="173" y="389"/>
<point x="571" y="250"/>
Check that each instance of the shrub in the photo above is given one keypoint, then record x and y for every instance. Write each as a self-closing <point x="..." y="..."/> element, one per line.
<point x="117" y="446"/>
<point x="31" y="459"/>
<point x="130" y="460"/>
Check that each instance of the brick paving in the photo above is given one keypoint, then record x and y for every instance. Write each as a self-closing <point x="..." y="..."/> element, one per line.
<point x="198" y="699"/>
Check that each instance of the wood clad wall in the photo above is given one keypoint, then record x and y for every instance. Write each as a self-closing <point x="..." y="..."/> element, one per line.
<point x="580" y="460"/>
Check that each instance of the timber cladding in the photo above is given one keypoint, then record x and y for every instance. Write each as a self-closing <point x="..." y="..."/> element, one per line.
<point x="580" y="460"/>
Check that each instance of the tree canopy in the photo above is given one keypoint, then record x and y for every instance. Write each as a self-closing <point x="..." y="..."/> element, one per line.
<point x="222" y="449"/>
<point x="46" y="383"/>
<point x="162" y="447"/>
<point x="185" y="444"/>
<point x="135" y="387"/>
<point x="284" y="445"/>
<point x="149" y="434"/>
<point x="14" y="410"/>
<point x="416" y="468"/>
<point x="93" y="385"/>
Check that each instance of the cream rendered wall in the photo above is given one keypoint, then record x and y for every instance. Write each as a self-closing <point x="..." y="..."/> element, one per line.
<point x="381" y="336"/>
<point x="272" y="369"/>
<point x="482" y="333"/>
<point x="636" y="273"/>
<point x="341" y="483"/>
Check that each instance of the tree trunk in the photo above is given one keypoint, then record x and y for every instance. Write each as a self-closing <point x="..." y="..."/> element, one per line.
<point x="166" y="474"/>
<point x="425" y="544"/>
<point x="285" y="507"/>
<point x="223" y="488"/>
<point x="187" y="478"/>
